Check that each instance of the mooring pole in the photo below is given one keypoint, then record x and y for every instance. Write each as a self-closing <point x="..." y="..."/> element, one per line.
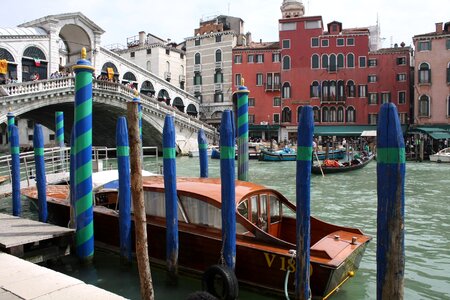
<point x="11" y="121"/>
<point x="170" y="188"/>
<point x="73" y="214"/>
<point x="123" y="166"/>
<point x="59" y="125"/>
<point x="227" y="175"/>
<point x="242" y="115"/>
<point x="203" y="153"/>
<point x="138" y="101"/>
<point x="137" y="194"/>
<point x="15" y="169"/>
<point x="83" y="158"/>
<point x="305" y="135"/>
<point x="391" y="204"/>
<point x="38" y="144"/>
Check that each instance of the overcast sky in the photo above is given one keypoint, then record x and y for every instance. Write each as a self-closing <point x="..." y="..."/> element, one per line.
<point x="399" y="20"/>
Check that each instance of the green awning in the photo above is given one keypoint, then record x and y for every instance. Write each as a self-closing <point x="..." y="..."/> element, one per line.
<point x="342" y="130"/>
<point x="437" y="132"/>
<point x="440" y="135"/>
<point x="254" y="127"/>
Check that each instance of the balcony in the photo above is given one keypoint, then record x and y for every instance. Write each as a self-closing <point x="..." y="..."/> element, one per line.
<point x="197" y="68"/>
<point x="167" y="75"/>
<point x="332" y="69"/>
<point x="197" y="88"/>
<point x="218" y="87"/>
<point x="219" y="65"/>
<point x="182" y="78"/>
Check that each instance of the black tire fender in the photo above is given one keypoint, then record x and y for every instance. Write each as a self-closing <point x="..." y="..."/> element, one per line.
<point x="227" y="279"/>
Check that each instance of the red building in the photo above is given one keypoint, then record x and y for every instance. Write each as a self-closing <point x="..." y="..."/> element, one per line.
<point x="340" y="72"/>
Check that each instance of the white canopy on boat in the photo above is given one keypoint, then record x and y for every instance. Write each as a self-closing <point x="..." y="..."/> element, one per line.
<point x="369" y="133"/>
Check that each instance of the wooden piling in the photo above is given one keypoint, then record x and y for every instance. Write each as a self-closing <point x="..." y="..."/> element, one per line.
<point x="38" y="144"/>
<point x="203" y="153"/>
<point x="137" y="194"/>
<point x="391" y="204"/>
<point x="15" y="169"/>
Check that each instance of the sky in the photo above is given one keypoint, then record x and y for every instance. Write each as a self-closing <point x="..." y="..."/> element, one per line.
<point x="399" y="20"/>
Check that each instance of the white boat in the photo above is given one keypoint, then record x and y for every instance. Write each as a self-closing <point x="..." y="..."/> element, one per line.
<point x="196" y="153"/>
<point x="441" y="156"/>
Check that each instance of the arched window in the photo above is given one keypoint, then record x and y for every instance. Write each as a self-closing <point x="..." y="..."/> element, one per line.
<point x="424" y="106"/>
<point x="340" y="90"/>
<point x="325" y="91"/>
<point x="324" y="61"/>
<point x="147" y="88"/>
<point x="448" y="73"/>
<point x="286" y="92"/>
<point x="332" y="114"/>
<point x="332" y="66"/>
<point x="315" y="61"/>
<point x="340" y="114"/>
<point x="351" y="91"/>
<point x="316" y="112"/>
<point x="218" y="55"/>
<point x="340" y="61"/>
<point x="197" y="59"/>
<point x="350" y="60"/>
<point x="325" y="114"/>
<point x="299" y="112"/>
<point x="163" y="95"/>
<point x="178" y="103"/>
<point x="315" y="89"/>
<point x="5" y="54"/>
<point x="168" y="66"/>
<point x="286" y="115"/>
<point x="424" y="73"/>
<point x="332" y="90"/>
<point x="34" y="52"/>
<point x="351" y="115"/>
<point x="192" y="110"/>
<point x="286" y="63"/>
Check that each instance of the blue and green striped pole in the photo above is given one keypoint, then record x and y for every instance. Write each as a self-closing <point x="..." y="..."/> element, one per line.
<point x="305" y="134"/>
<point x="391" y="204"/>
<point x="10" y="117"/>
<point x="138" y="100"/>
<point x="170" y="188"/>
<point x="242" y="115"/>
<point x="83" y="158"/>
<point x="59" y="120"/>
<point x="38" y="144"/>
<point x="227" y="176"/>
<point x="123" y="165"/>
<point x="15" y="169"/>
<point x="203" y="153"/>
<point x="73" y="214"/>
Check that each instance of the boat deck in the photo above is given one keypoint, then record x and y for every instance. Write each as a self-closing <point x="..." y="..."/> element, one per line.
<point x="20" y="279"/>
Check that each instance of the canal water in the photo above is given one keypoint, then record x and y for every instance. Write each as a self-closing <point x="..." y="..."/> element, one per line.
<point x="348" y="199"/>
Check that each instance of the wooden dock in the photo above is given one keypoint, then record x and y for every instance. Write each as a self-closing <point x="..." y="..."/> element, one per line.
<point x="33" y="241"/>
<point x="20" y="279"/>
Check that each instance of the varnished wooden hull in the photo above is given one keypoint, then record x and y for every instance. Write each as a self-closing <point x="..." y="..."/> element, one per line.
<point x="257" y="264"/>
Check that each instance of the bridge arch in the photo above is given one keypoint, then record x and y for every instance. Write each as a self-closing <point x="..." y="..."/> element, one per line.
<point x="147" y="88"/>
<point x="110" y="70"/>
<point x="178" y="103"/>
<point x="130" y="78"/>
<point x="192" y="110"/>
<point x="74" y="38"/>
<point x="11" y="71"/>
<point x="34" y="62"/>
<point x="163" y="95"/>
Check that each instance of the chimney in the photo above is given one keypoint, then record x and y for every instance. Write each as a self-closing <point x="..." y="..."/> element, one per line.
<point x="439" y="27"/>
<point x="141" y="38"/>
<point x="260" y="41"/>
<point x="248" y="36"/>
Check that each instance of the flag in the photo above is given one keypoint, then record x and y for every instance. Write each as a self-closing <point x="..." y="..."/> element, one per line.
<point x="37" y="62"/>
<point x="3" y="66"/>
<point x="110" y="72"/>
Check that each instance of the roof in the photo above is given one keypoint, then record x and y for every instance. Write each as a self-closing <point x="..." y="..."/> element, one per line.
<point x="23" y="31"/>
<point x="259" y="46"/>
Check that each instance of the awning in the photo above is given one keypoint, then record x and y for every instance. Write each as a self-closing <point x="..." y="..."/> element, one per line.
<point x="437" y="132"/>
<point x="369" y="133"/>
<point x="345" y="130"/>
<point x="254" y="127"/>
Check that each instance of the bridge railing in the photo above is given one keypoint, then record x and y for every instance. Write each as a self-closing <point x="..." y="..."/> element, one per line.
<point x="57" y="161"/>
<point x="38" y="86"/>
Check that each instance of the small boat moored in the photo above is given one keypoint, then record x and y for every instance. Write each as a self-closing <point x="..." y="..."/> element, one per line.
<point x="334" y="166"/>
<point x="441" y="156"/>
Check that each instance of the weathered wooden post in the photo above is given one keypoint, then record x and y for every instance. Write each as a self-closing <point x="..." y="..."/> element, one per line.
<point x="391" y="204"/>
<point x="138" y="101"/>
<point x="227" y="175"/>
<point x="123" y="166"/>
<point x="15" y="169"/>
<point x="38" y="144"/>
<point x="203" y="153"/>
<point x="242" y="119"/>
<point x="170" y="190"/>
<point x="305" y="135"/>
<point x="83" y="158"/>
<point x="137" y="194"/>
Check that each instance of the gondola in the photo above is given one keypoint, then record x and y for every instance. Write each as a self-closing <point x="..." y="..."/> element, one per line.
<point x="334" y="166"/>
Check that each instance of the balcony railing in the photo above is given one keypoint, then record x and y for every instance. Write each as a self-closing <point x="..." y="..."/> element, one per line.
<point x="218" y="87"/>
<point x="219" y="65"/>
<point x="167" y="75"/>
<point x="197" y="88"/>
<point x="182" y="78"/>
<point x="197" y="68"/>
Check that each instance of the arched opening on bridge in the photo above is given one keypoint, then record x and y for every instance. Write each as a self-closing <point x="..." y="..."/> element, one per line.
<point x="192" y="110"/>
<point x="178" y="103"/>
<point x="147" y="88"/>
<point x="72" y="39"/>
<point x="216" y="118"/>
<point x="163" y="95"/>
<point x="8" y="71"/>
<point x="34" y="64"/>
<point x="110" y="72"/>
<point x="130" y="80"/>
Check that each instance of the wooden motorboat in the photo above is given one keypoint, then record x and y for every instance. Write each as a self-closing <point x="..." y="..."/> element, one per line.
<point x="332" y="154"/>
<point x="441" y="156"/>
<point x="265" y="232"/>
<point x="286" y="154"/>
<point x="338" y="167"/>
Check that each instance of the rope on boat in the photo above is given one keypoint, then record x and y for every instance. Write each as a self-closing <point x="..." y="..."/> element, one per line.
<point x="286" y="279"/>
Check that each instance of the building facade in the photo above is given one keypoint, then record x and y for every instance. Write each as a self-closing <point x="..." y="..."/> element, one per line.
<point x="209" y="65"/>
